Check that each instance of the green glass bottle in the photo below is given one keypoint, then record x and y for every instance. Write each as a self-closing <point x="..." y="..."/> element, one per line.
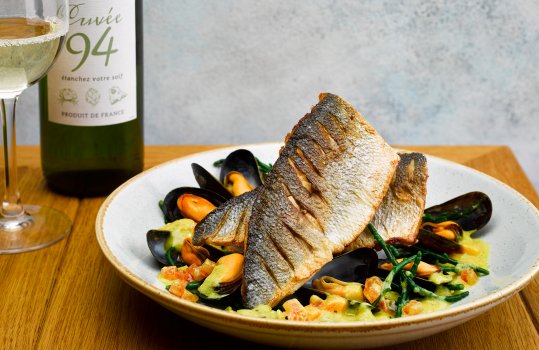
<point x="91" y="102"/>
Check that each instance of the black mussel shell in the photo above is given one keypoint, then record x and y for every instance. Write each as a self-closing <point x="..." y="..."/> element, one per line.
<point x="431" y="240"/>
<point x="354" y="266"/>
<point x="228" y="288"/>
<point x="207" y="181"/>
<point x="215" y="253"/>
<point x="156" y="242"/>
<point x="244" y="162"/>
<point x="471" y="211"/>
<point x="232" y="300"/>
<point x="170" y="206"/>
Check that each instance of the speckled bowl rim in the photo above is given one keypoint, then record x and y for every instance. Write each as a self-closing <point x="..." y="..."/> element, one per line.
<point x="208" y="313"/>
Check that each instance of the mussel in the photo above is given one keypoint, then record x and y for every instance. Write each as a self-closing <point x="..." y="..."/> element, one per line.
<point x="170" y="204"/>
<point x="172" y="235"/>
<point x="208" y="182"/>
<point x="171" y="245"/>
<point x="239" y="173"/>
<point x="243" y="162"/>
<point x="432" y="240"/>
<point x="195" y="203"/>
<point x="354" y="266"/>
<point x="224" y="279"/>
<point x="345" y="272"/>
<point x="443" y="224"/>
<point x="332" y="285"/>
<point x="471" y="211"/>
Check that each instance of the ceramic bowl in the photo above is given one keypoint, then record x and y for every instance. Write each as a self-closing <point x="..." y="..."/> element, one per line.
<point x="132" y="209"/>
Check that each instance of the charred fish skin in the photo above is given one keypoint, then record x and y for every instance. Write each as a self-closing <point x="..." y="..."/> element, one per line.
<point x="398" y="218"/>
<point x="281" y="253"/>
<point x="323" y="190"/>
<point x="336" y="167"/>
<point x="227" y="224"/>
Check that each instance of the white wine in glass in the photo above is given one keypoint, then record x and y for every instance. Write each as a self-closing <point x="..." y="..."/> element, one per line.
<point x="31" y="36"/>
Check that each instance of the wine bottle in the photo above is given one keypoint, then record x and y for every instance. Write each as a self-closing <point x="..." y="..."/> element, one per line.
<point x="91" y="101"/>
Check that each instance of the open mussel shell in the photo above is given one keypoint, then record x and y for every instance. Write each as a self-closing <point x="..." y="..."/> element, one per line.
<point x="157" y="239"/>
<point x="223" y="289"/>
<point x="471" y="211"/>
<point x="244" y="162"/>
<point x="170" y="206"/>
<point x="207" y="181"/>
<point x="228" y="287"/>
<point x="354" y="266"/>
<point x="156" y="242"/>
<point x="232" y="300"/>
<point x="431" y="240"/>
<point x="225" y="278"/>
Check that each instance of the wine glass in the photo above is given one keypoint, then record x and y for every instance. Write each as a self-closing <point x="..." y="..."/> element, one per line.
<point x="31" y="36"/>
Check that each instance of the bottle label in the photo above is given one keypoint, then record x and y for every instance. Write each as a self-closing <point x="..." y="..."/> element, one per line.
<point x="94" y="82"/>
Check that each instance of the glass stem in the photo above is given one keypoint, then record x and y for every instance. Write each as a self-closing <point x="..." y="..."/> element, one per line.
<point x="11" y="204"/>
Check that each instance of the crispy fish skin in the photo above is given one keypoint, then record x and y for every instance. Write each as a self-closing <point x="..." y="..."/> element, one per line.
<point x="227" y="224"/>
<point x="398" y="218"/>
<point x="323" y="190"/>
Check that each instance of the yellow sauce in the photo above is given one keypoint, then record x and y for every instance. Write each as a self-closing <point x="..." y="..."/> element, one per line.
<point x="482" y="247"/>
<point x="179" y="231"/>
<point x="261" y="311"/>
<point x="207" y="288"/>
<point x="478" y="254"/>
<point x="431" y="305"/>
<point x="355" y="311"/>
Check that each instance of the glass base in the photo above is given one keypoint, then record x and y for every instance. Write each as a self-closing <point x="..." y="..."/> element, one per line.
<point x="39" y="227"/>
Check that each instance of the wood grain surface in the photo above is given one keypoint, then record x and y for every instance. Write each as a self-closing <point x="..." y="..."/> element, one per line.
<point x="68" y="296"/>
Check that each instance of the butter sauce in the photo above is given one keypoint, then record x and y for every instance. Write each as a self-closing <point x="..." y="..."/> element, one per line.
<point x="337" y="308"/>
<point x="477" y="254"/>
<point x="483" y="251"/>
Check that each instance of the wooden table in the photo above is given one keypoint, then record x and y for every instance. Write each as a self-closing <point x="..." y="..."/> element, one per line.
<point x="68" y="296"/>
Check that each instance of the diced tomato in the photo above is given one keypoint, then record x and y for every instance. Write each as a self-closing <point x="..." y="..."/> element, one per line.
<point x="335" y="303"/>
<point x="178" y="289"/>
<point x="172" y="273"/>
<point x="169" y="272"/>
<point x="373" y="288"/>
<point x="413" y="307"/>
<point x="201" y="272"/>
<point x="469" y="276"/>
<point x="313" y="313"/>
<point x="184" y="275"/>
<point x="294" y="310"/>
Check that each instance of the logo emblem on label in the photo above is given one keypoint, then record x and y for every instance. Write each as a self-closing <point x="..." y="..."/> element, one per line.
<point x="67" y="95"/>
<point x="116" y="95"/>
<point x="93" y="96"/>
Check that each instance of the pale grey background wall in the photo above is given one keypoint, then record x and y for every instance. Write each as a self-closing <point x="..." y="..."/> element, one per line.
<point x="421" y="71"/>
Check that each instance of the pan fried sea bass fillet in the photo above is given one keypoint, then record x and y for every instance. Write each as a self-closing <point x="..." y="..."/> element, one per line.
<point x="398" y="218"/>
<point x="323" y="190"/>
